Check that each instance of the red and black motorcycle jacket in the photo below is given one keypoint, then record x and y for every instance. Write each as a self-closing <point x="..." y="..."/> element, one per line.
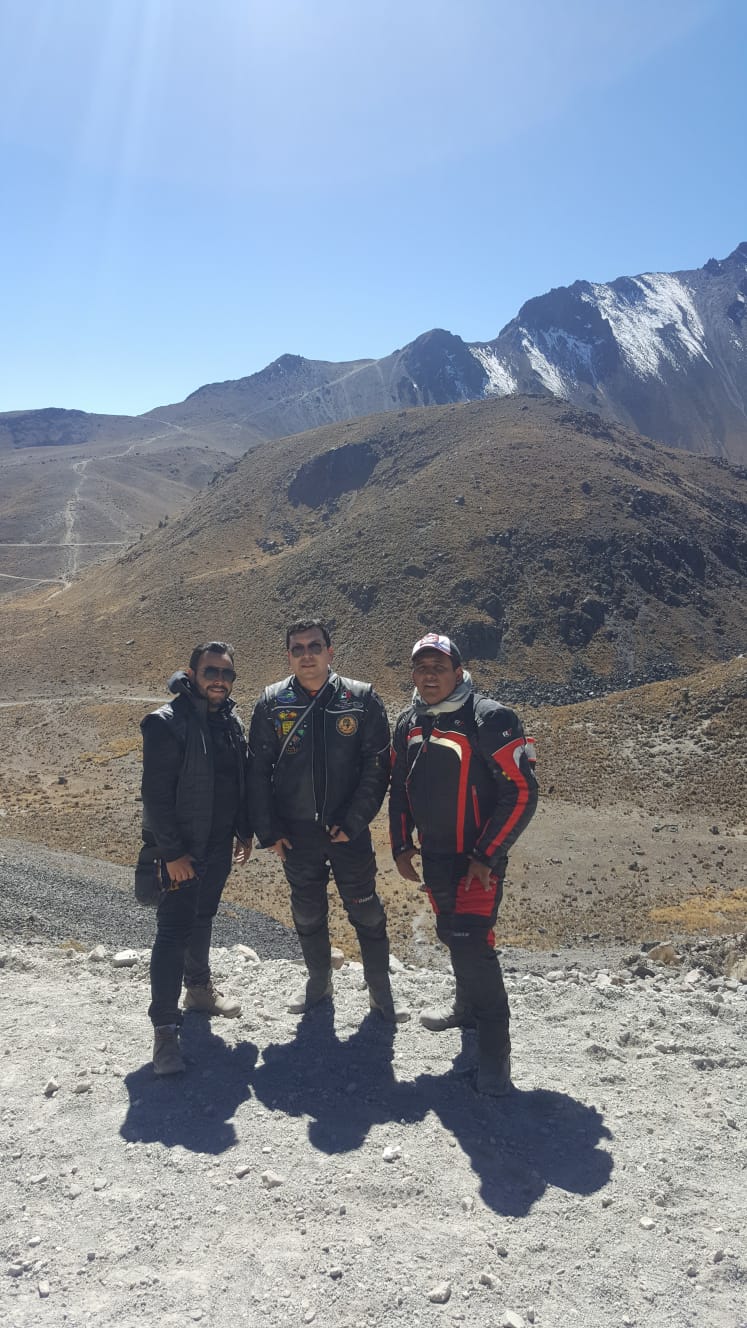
<point x="464" y="780"/>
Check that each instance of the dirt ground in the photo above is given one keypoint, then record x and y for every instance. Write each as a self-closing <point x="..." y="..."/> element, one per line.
<point x="640" y="830"/>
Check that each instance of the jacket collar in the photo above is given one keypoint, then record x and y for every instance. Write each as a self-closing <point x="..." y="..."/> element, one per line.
<point x="333" y="680"/>
<point x="181" y="685"/>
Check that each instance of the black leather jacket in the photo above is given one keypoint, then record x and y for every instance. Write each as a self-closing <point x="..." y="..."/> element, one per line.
<point x="465" y="779"/>
<point x="177" y="786"/>
<point x="332" y="767"/>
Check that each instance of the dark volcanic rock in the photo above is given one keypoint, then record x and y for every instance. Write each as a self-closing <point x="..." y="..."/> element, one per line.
<point x="326" y="477"/>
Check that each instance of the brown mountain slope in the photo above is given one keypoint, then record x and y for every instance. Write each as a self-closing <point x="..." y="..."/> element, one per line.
<point x="565" y="555"/>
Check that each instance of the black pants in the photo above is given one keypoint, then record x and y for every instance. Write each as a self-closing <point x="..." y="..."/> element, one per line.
<point x="465" y="917"/>
<point x="184" y="926"/>
<point x="353" y="865"/>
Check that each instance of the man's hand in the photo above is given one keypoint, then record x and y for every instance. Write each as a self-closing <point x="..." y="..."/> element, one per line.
<point x="480" y="871"/>
<point x="280" y="846"/>
<point x="338" y="836"/>
<point x="181" y="869"/>
<point x="405" y="865"/>
<point x="242" y="851"/>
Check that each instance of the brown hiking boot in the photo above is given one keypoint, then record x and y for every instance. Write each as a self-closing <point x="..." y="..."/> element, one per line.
<point x="459" y="1015"/>
<point x="318" y="988"/>
<point x="167" y="1055"/>
<point x="208" y="1000"/>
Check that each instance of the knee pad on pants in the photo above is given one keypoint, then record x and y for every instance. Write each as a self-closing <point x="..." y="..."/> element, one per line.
<point x="308" y="917"/>
<point x="367" y="914"/>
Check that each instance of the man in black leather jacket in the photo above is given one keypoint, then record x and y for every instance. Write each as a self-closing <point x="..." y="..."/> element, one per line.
<point x="462" y="774"/>
<point x="319" y="769"/>
<point x="194" y="806"/>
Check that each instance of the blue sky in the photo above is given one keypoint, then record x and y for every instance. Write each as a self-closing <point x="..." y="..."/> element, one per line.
<point x="194" y="187"/>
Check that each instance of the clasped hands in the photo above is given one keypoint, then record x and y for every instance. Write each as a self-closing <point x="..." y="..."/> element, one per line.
<point x="479" y="871"/>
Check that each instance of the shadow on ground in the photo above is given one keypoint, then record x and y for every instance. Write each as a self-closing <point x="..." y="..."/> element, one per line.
<point x="193" y="1109"/>
<point x="517" y="1145"/>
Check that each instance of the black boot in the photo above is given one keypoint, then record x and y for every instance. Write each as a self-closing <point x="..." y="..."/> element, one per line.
<point x="317" y="953"/>
<point x="493" y="1059"/>
<point x="375" y="956"/>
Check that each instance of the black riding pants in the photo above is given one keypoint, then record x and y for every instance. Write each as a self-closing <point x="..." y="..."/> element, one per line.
<point x="184" y="926"/>
<point x="465" y="917"/>
<point x="353" y="865"/>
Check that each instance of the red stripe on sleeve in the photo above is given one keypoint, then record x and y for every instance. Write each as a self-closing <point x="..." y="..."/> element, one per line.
<point x="504" y="758"/>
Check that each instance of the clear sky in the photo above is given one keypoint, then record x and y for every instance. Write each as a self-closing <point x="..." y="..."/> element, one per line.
<point x="191" y="188"/>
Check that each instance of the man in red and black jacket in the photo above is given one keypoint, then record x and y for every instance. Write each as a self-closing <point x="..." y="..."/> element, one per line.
<point x="462" y="775"/>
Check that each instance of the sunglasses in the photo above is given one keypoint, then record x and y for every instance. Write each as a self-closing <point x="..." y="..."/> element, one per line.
<point x="313" y="648"/>
<point x="213" y="674"/>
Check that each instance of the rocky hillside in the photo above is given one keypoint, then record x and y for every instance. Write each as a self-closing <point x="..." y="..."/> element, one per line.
<point x="563" y="553"/>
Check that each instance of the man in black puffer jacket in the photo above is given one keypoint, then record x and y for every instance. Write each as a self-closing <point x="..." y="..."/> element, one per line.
<point x="194" y="806"/>
<point x="319" y="748"/>
<point x="462" y="774"/>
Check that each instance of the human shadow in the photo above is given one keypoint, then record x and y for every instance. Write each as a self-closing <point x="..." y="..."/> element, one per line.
<point x="345" y="1087"/>
<point x="517" y="1145"/>
<point x="196" y="1109"/>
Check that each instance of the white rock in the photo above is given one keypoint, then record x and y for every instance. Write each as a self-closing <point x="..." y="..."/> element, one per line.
<point x="39" y="1179"/>
<point x="395" y="964"/>
<point x="242" y="1170"/>
<point x="247" y="953"/>
<point x="34" y="1241"/>
<point x="100" y="1183"/>
<point x="270" y="1179"/>
<point x="647" y="1223"/>
<point x="82" y="1086"/>
<point x="555" y="975"/>
<point x="124" y="958"/>
<point x="51" y="1087"/>
<point x="391" y="1153"/>
<point x="98" y="953"/>
<point x="338" y="958"/>
<point x="467" y="1203"/>
<point x="486" y="1280"/>
<point x="440" y="1293"/>
<point x="43" y="1290"/>
<point x="512" y="1320"/>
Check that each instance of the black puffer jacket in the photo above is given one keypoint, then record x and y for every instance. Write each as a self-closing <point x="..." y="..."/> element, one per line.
<point x="332" y="767"/>
<point x="178" y="783"/>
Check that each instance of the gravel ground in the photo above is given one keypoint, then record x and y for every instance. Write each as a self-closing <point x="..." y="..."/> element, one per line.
<point x="330" y="1170"/>
<point x="63" y="896"/>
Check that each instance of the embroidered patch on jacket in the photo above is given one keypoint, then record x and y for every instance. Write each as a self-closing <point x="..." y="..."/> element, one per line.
<point x="347" y="725"/>
<point x="284" y="721"/>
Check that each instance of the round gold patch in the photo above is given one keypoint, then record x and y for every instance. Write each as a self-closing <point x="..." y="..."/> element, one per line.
<point x="347" y="725"/>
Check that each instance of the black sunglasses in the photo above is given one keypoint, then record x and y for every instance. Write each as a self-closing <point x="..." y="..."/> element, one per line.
<point x="213" y="674"/>
<point x="313" y="648"/>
